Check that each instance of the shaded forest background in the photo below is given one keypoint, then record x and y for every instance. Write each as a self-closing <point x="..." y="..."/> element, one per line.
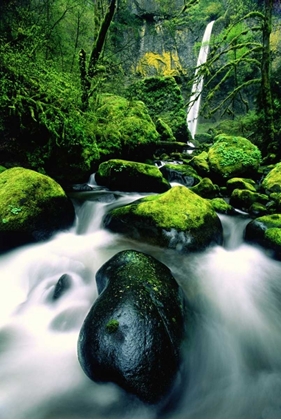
<point x="81" y="79"/>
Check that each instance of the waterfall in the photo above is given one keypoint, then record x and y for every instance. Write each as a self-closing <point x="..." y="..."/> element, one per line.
<point x="193" y="110"/>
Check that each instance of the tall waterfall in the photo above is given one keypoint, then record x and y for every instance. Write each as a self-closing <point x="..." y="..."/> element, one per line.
<point x="193" y="110"/>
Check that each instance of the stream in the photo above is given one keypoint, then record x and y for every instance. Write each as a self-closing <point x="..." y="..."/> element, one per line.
<point x="231" y="367"/>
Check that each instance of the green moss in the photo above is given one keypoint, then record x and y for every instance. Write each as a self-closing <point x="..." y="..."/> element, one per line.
<point x="112" y="326"/>
<point x="233" y="156"/>
<point x="178" y="208"/>
<point x="123" y="126"/>
<point x="272" y="181"/>
<point x="220" y="206"/>
<point x="22" y="194"/>
<point x="274" y="236"/>
<point x="163" y="99"/>
<point x="206" y="188"/>
<point x="241" y="183"/>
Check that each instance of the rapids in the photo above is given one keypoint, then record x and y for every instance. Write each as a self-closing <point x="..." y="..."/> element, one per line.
<point x="231" y="366"/>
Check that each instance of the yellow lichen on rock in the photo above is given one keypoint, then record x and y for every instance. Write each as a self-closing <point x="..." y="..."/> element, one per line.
<point x="154" y="64"/>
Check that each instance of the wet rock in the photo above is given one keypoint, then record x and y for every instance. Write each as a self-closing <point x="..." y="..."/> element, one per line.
<point x="178" y="219"/>
<point x="123" y="175"/>
<point x="32" y="207"/>
<point x="63" y="284"/>
<point x="133" y="332"/>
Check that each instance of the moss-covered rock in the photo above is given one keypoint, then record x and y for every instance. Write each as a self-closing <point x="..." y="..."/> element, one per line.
<point x="124" y="128"/>
<point x="272" y="181"/>
<point x="163" y="99"/>
<point x="133" y="332"/>
<point x="184" y="174"/>
<point x="266" y="232"/>
<point x="123" y="175"/>
<point x="166" y="133"/>
<point x="32" y="207"/>
<point x="244" y="199"/>
<point x="241" y="184"/>
<point x="233" y="157"/>
<point x="177" y="219"/>
<point x="200" y="164"/>
<point x="206" y="189"/>
<point x="221" y="206"/>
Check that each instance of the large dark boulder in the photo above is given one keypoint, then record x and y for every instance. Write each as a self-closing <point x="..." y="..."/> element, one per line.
<point x="32" y="207"/>
<point x="133" y="332"/>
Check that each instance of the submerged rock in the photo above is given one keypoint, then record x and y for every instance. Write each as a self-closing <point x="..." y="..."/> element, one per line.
<point x="32" y="207"/>
<point x="178" y="219"/>
<point x="133" y="332"/>
<point x="124" y="175"/>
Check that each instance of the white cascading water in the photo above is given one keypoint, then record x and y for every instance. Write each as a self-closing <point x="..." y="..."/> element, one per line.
<point x="231" y="366"/>
<point x="195" y="98"/>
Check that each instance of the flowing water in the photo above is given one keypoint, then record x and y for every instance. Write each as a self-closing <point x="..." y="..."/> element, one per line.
<point x="195" y="99"/>
<point x="231" y="365"/>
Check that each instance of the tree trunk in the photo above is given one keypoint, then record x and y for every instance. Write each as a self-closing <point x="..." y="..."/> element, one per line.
<point x="266" y="97"/>
<point x="86" y="76"/>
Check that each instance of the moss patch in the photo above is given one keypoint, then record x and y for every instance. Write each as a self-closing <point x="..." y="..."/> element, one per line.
<point x="233" y="156"/>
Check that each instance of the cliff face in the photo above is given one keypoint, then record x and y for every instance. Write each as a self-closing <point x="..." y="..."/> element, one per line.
<point x="155" y="39"/>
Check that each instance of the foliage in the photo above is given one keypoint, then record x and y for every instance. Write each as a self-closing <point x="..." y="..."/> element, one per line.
<point x="124" y="127"/>
<point x="163" y="99"/>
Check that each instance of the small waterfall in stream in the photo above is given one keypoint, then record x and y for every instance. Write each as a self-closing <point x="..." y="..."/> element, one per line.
<point x="231" y="368"/>
<point x="195" y="99"/>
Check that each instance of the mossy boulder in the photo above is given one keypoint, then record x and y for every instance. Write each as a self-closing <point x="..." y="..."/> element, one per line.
<point x="178" y="219"/>
<point x="124" y="128"/>
<point x="241" y="184"/>
<point x="232" y="156"/>
<point x="265" y="231"/>
<point x="244" y="199"/>
<point x="221" y="206"/>
<point x="164" y="100"/>
<point x="133" y="332"/>
<point x="200" y="164"/>
<point x="166" y="133"/>
<point x="206" y="189"/>
<point x="181" y="173"/>
<point x="272" y="181"/>
<point x="32" y="207"/>
<point x="123" y="175"/>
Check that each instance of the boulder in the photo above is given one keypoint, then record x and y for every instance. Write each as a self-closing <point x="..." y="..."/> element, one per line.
<point x="133" y="332"/>
<point x="123" y="175"/>
<point x="178" y="219"/>
<point x="232" y="156"/>
<point x="241" y="184"/>
<point x="206" y="189"/>
<point x="265" y="231"/>
<point x="181" y="173"/>
<point x="244" y="199"/>
<point x="272" y="181"/>
<point x="32" y="207"/>
<point x="222" y="207"/>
